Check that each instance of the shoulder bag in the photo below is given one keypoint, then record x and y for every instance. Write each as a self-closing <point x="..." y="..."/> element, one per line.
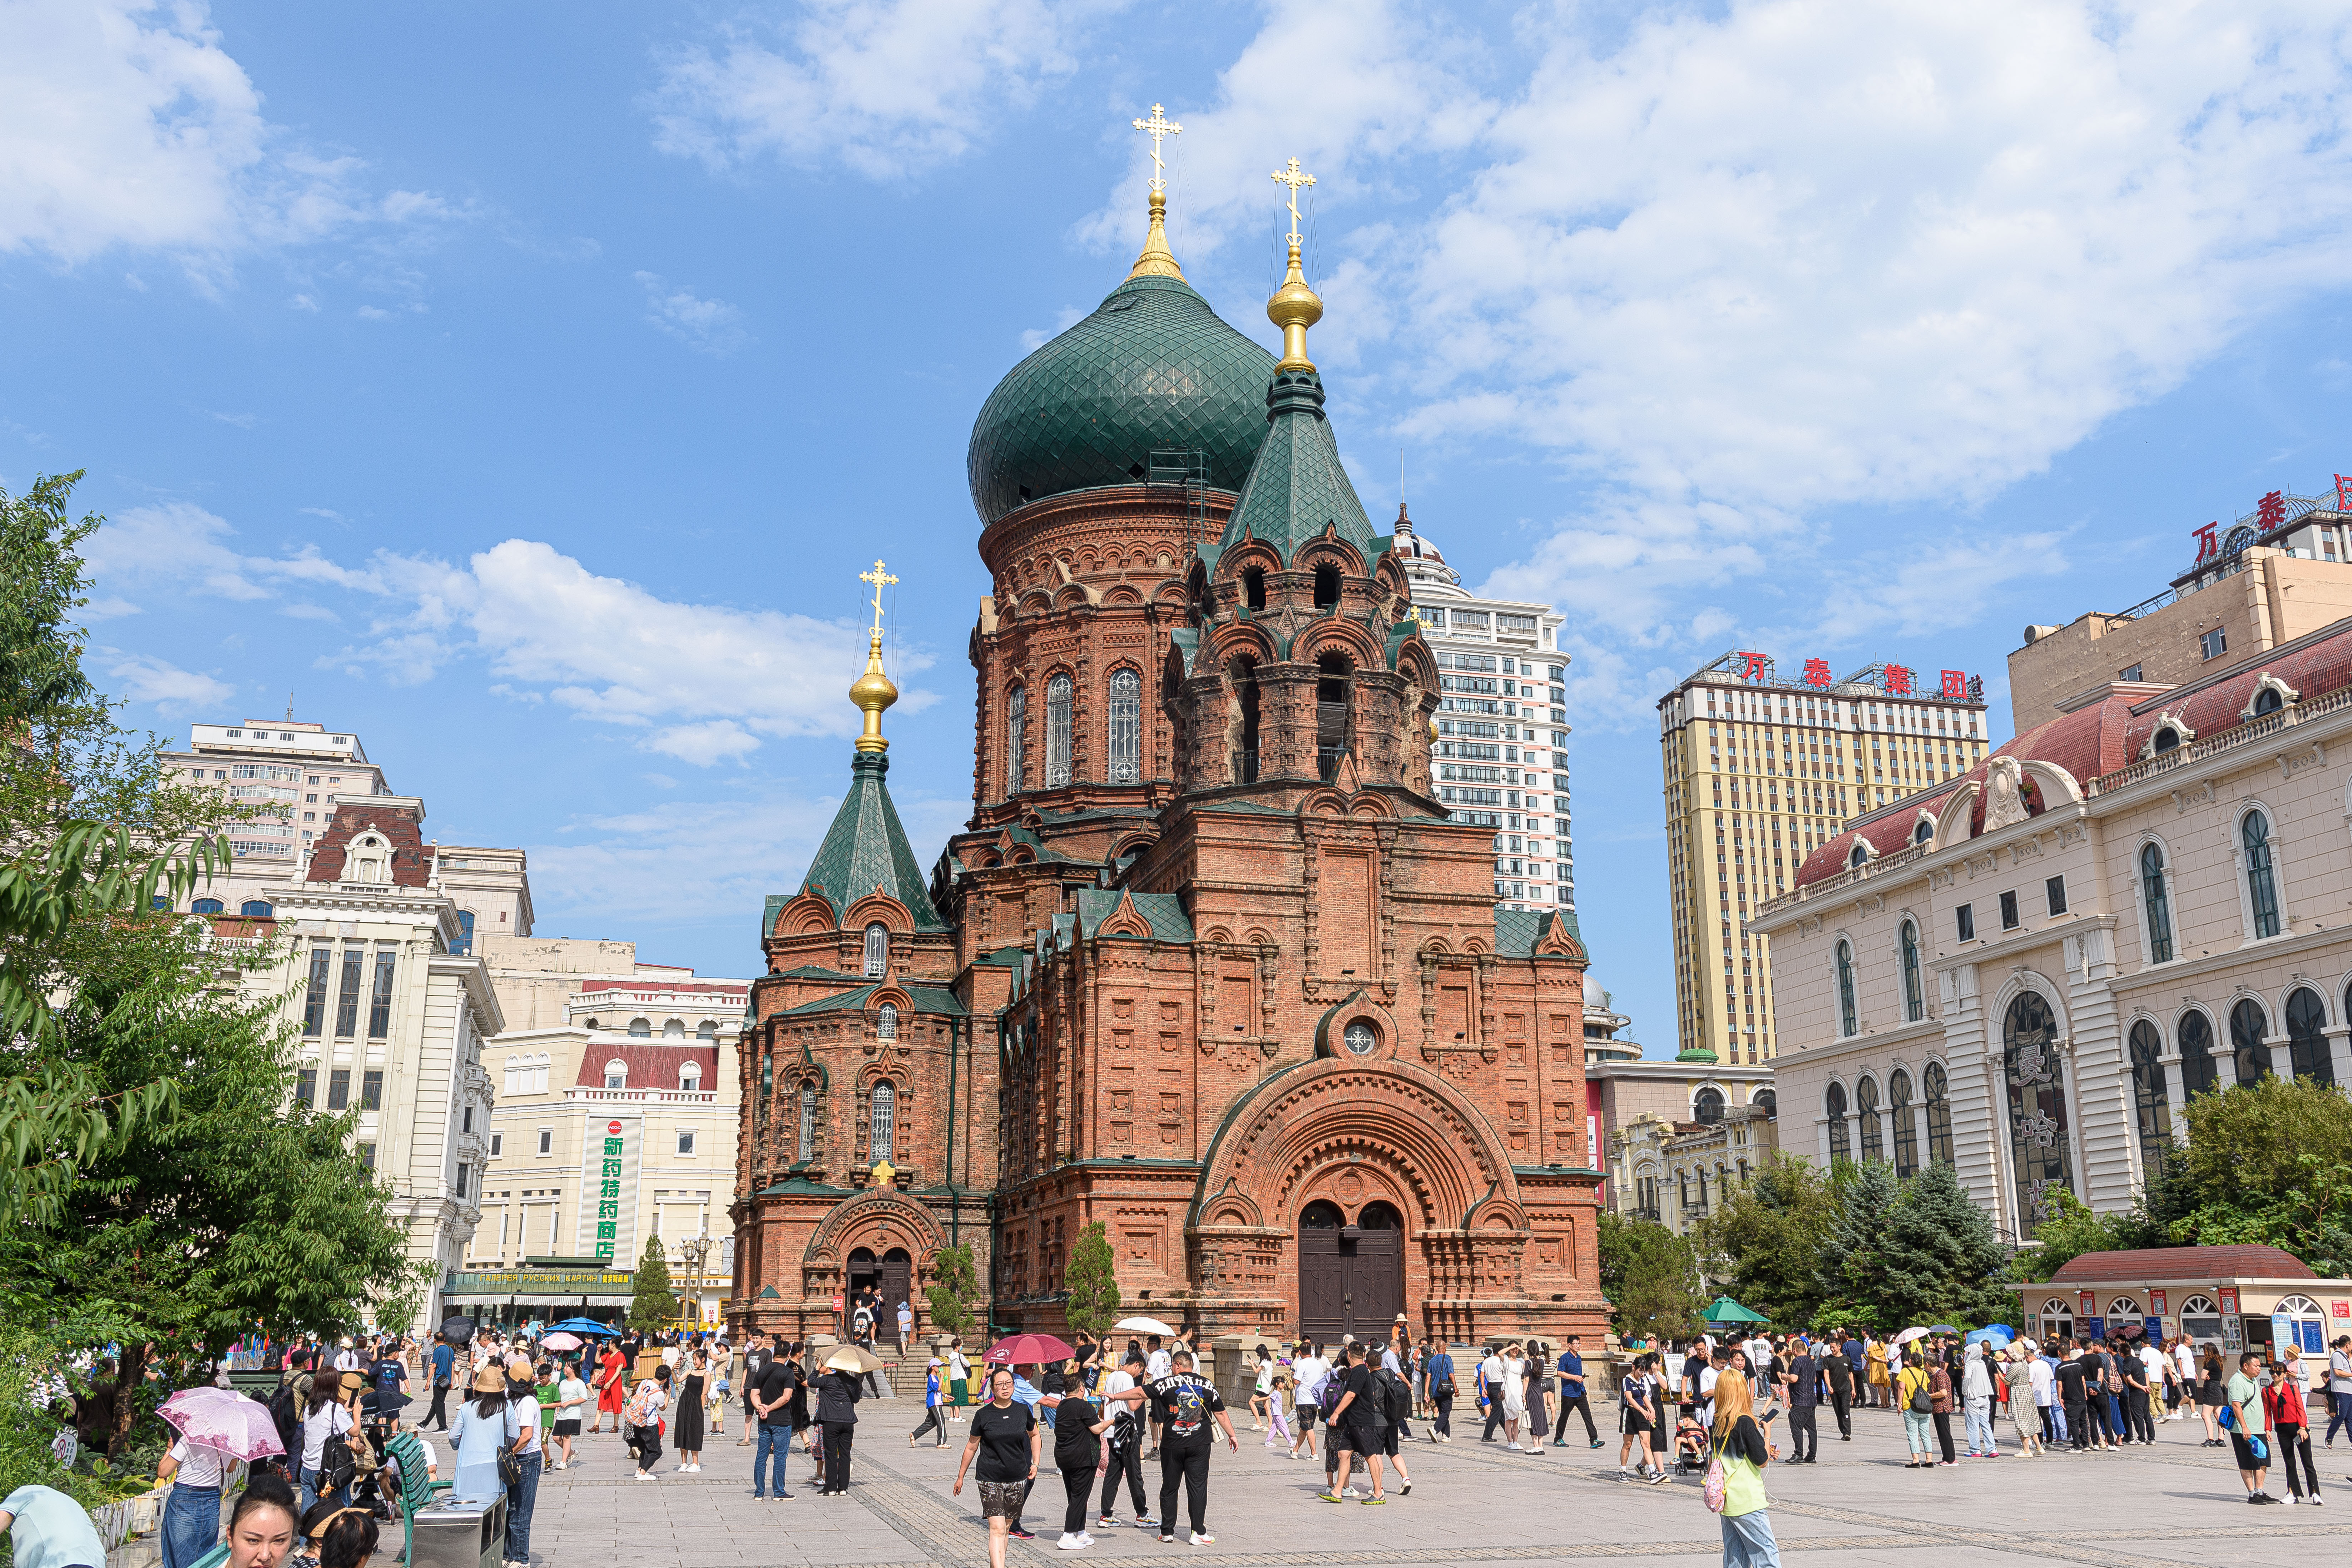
<point x="510" y="1462"/>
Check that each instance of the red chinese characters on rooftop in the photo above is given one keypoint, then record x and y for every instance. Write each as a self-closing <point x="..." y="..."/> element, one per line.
<point x="1955" y="688"/>
<point x="1817" y="673"/>
<point x="1898" y="680"/>
<point x="1755" y="665"/>
<point x="2271" y="510"/>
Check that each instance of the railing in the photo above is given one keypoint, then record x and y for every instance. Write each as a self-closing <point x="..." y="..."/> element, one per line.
<point x="644" y="1096"/>
<point x="2147" y="606"/>
<point x="1245" y="766"/>
<point x="1326" y="762"/>
<point x="2223" y="741"/>
<point x="1848" y="878"/>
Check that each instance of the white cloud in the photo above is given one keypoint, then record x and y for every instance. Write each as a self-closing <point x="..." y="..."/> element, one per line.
<point x="710" y="326"/>
<point x="182" y="548"/>
<point x="129" y="123"/>
<point x="143" y="677"/>
<point x="880" y="85"/>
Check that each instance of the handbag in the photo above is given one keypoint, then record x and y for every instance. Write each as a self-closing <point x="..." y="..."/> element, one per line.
<point x="510" y="1462"/>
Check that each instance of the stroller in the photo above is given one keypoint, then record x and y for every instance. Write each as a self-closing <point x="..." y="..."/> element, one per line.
<point x="1691" y="1446"/>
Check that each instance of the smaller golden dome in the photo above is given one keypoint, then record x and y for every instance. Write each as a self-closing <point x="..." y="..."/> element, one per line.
<point x="1294" y="308"/>
<point x="872" y="694"/>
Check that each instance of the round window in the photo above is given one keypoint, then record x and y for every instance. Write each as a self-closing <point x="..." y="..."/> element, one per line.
<point x="1360" y="1038"/>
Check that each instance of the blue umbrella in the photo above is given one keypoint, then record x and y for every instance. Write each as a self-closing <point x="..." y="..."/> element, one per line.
<point x="1999" y="1334"/>
<point x="585" y="1326"/>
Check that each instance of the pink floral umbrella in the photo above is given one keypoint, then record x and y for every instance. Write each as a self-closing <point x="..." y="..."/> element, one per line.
<point x="225" y="1421"/>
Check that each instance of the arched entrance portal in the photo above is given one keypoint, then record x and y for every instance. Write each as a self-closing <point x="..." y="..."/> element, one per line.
<point x="1350" y="1272"/>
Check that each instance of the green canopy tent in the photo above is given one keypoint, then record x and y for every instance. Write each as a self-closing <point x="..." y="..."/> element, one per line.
<point x="1727" y="1311"/>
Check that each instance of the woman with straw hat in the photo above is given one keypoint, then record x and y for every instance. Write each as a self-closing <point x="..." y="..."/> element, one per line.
<point x="838" y="1389"/>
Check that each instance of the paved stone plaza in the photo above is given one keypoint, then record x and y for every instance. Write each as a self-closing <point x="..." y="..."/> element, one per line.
<point x="1858" y="1507"/>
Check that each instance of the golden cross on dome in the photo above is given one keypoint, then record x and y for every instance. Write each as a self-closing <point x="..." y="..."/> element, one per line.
<point x="880" y="579"/>
<point x="1291" y="177"/>
<point x="1158" y="127"/>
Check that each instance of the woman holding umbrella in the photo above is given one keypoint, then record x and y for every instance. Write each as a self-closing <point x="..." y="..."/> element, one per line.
<point x="215" y="1428"/>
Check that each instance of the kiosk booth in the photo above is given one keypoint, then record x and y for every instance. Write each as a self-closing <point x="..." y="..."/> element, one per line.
<point x="2234" y="1298"/>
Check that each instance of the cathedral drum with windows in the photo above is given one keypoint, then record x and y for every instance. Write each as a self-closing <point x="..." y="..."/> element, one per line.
<point x="1209" y="965"/>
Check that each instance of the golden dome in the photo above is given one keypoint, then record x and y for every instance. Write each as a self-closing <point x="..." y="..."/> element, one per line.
<point x="1294" y="308"/>
<point x="872" y="694"/>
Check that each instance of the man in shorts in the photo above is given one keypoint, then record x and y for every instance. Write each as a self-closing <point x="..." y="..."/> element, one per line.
<point x="1006" y="1436"/>
<point x="1308" y="1371"/>
<point x="1358" y="1425"/>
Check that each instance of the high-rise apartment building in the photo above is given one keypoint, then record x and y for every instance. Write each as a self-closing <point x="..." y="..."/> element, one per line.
<point x="1500" y="756"/>
<point x="1758" y="772"/>
<point x="292" y="769"/>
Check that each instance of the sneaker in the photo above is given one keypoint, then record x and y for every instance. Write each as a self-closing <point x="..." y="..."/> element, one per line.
<point x="783" y="1496"/>
<point x="1085" y="1540"/>
<point x="1515" y="1449"/>
<point x="1139" y="1523"/>
<point x="1164" y="1536"/>
<point x="1069" y="1543"/>
<point x="647" y="1475"/>
<point x="1201" y="1540"/>
<point x="1020" y="1535"/>
<point x="1659" y="1480"/>
<point x="1376" y="1503"/>
<point x="1105" y="1522"/>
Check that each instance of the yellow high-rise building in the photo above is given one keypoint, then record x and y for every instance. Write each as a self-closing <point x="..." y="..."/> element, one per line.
<point x="1758" y="772"/>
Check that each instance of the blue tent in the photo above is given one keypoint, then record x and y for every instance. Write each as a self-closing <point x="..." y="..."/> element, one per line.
<point x="585" y="1327"/>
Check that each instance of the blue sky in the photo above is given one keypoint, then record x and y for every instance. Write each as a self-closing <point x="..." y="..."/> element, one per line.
<point x="524" y="386"/>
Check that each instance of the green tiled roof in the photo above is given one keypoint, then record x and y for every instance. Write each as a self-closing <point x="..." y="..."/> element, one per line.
<point x="1163" y="913"/>
<point x="1153" y="368"/>
<point x="1297" y="488"/>
<point x="866" y="848"/>
<point x="925" y="998"/>
<point x="1517" y="931"/>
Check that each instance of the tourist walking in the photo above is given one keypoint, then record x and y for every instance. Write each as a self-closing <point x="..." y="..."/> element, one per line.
<point x="1977" y="1398"/>
<point x="642" y="1420"/>
<point x="2016" y="1373"/>
<point x="1874" y="1359"/>
<point x="611" y="1383"/>
<point x="934" y="1411"/>
<point x="1438" y="1372"/>
<point x="1515" y="1394"/>
<point x="1357" y="1426"/>
<point x="686" y="1433"/>
<point x="191" y="1522"/>
<point x="2290" y="1413"/>
<point x="838" y="1390"/>
<point x="1804" y="1397"/>
<point x="327" y="1467"/>
<point x="1277" y="1413"/>
<point x="1005" y="1438"/>
<point x="2213" y="1394"/>
<point x="1184" y="1404"/>
<point x="444" y="1361"/>
<point x="1637" y="1394"/>
<point x="1741" y="1451"/>
<point x="2250" y="1428"/>
<point x="1572" y="1396"/>
<point x="1308" y="1371"/>
<point x="2339" y="1385"/>
<point x="1123" y="1397"/>
<point x="1916" y="1401"/>
<point x="1078" y="1426"/>
<point x="1838" y="1375"/>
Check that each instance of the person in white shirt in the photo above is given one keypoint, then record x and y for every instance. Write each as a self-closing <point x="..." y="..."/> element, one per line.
<point x="1707" y="1375"/>
<point x="1308" y="1374"/>
<point x="1156" y="1366"/>
<point x="2157" y="1367"/>
<point x="571" y="1404"/>
<point x="1492" y="1373"/>
<point x="1119" y="1444"/>
<point x="2184" y="1365"/>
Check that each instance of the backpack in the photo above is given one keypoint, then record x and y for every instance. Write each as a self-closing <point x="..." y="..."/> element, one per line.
<point x="286" y="1414"/>
<point x="338" y="1466"/>
<point x="1396" y="1397"/>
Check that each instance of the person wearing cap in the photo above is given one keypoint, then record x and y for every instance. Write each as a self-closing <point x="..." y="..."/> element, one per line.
<point x="932" y="1411"/>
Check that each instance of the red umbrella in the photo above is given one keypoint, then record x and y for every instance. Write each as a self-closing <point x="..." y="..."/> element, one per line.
<point x="1025" y="1349"/>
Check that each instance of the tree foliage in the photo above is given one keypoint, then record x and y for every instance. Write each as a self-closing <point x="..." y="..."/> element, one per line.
<point x="1768" y="1236"/>
<point x="954" y="1287"/>
<point x="653" y="1303"/>
<point x="1650" y="1277"/>
<point x="1941" y="1261"/>
<point x="2271" y="1164"/>
<point x="1090" y="1283"/>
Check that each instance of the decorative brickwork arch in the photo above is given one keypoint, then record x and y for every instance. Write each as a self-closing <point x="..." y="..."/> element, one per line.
<point x="808" y="915"/>
<point x="1394" y="1115"/>
<point x="862" y="1221"/>
<point x="881" y="906"/>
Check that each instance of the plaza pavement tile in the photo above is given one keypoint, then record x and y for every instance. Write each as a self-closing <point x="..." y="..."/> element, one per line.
<point x="1471" y="1503"/>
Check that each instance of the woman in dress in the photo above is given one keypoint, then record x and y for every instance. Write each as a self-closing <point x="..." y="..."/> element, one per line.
<point x="1874" y="1359"/>
<point x="685" y="1435"/>
<point x="2211" y="1386"/>
<point x="1538" y="1364"/>
<point x="1515" y="1394"/>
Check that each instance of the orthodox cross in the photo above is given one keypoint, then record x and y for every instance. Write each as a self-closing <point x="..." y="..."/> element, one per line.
<point x="1291" y="177"/>
<point x="1158" y="127"/>
<point x="880" y="579"/>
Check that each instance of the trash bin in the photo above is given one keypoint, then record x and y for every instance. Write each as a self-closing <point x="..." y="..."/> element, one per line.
<point x="461" y="1534"/>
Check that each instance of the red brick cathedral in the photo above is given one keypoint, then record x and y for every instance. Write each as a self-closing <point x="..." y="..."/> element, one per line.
<point x="1209" y="964"/>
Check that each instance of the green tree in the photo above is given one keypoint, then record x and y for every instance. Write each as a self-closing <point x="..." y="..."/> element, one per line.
<point x="1650" y="1277"/>
<point x="2270" y="1164"/>
<point x="2074" y="1230"/>
<point x="40" y="648"/>
<point x="1768" y="1236"/>
<point x="1090" y="1284"/>
<point x="954" y="1287"/>
<point x="654" y="1304"/>
<point x="1852" y="1265"/>
<point x="1940" y="1259"/>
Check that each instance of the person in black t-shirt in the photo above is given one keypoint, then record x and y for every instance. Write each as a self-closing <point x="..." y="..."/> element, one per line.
<point x="1358" y="1425"/>
<point x="2072" y="1386"/>
<point x="1838" y="1372"/>
<point x="1078" y="1426"/>
<point x="773" y="1383"/>
<point x="1006" y="1437"/>
<point x="1803" y="1384"/>
<point x="1182" y="1404"/>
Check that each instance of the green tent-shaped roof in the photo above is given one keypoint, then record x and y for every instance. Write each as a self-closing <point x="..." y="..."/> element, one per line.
<point x="866" y="849"/>
<point x="1296" y="489"/>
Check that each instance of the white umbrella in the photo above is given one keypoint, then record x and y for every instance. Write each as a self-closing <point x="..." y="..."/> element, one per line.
<point x="1907" y="1336"/>
<point x="1143" y="1326"/>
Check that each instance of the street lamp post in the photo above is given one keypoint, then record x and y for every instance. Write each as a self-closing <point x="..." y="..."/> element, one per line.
<point x="696" y="1253"/>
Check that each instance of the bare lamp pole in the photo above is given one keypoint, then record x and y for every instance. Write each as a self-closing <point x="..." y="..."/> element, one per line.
<point x="696" y="1253"/>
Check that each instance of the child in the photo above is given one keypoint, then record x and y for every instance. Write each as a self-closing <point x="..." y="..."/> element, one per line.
<point x="1277" y="1408"/>
<point x="1691" y="1450"/>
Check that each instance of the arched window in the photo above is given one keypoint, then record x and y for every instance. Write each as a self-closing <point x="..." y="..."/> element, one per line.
<point x="1866" y="1114"/>
<point x="1834" y="1103"/>
<point x="1333" y="684"/>
<point x="886" y="1027"/>
<point x="1860" y="854"/>
<point x="1767" y="1102"/>
<point x="767" y="1084"/>
<point x="2306" y="1324"/>
<point x="1321" y="1214"/>
<point x="2306" y="1034"/>
<point x="2198" y="1073"/>
<point x="1682" y="1179"/>
<point x="690" y="1077"/>
<point x="616" y="1074"/>
<point x="808" y="1122"/>
<point x="1939" y="1114"/>
<point x="1126" y="726"/>
<point x="2249" y="1057"/>
<point x="878" y="948"/>
<point x="882" y="1121"/>
<point x="1057" y="731"/>
<point x="257" y="908"/>
<point x="2268" y="700"/>
<point x="707" y="1030"/>
<point x="641" y="1029"/>
<point x="1707" y="1107"/>
<point x="2038" y="1141"/>
<point x="1253" y="589"/>
<point x="1915" y="1005"/>
<point x="1327" y="586"/>
<point x="1907" y="1129"/>
<point x="206" y="907"/>
<point x="2159" y="908"/>
<point x="2262" y="883"/>
<point x="2200" y="1321"/>
<point x="2148" y="1096"/>
<point x="1845" y="989"/>
<point x="2168" y="738"/>
<point x="1016" y="720"/>
<point x="673" y="1030"/>
<point x="1924" y="832"/>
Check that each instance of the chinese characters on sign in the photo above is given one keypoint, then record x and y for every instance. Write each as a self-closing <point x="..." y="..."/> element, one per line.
<point x="2344" y="492"/>
<point x="1817" y="672"/>
<point x="1898" y="680"/>
<point x="2206" y="548"/>
<point x="608" y="1194"/>
<point x="1895" y="680"/>
<point x="1955" y="686"/>
<point x="2271" y="510"/>
<point x="1755" y="666"/>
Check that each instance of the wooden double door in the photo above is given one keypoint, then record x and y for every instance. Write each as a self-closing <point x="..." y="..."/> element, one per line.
<point x="1351" y="1282"/>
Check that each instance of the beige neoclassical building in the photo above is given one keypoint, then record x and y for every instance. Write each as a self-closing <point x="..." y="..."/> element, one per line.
<point x="2027" y="971"/>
